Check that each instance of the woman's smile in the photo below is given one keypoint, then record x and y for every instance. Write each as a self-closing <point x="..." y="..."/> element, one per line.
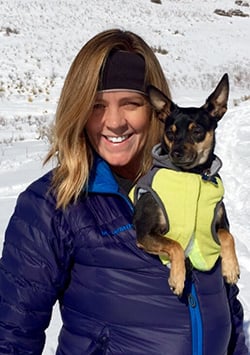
<point x="117" y="139"/>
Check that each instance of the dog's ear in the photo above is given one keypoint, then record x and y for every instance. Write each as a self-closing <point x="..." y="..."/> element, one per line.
<point x="216" y="103"/>
<point x="160" y="102"/>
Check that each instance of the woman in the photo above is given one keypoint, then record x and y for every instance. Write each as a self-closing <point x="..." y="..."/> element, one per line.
<point x="71" y="236"/>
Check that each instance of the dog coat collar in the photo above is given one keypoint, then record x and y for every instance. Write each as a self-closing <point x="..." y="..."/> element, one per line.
<point x="209" y="174"/>
<point x="163" y="161"/>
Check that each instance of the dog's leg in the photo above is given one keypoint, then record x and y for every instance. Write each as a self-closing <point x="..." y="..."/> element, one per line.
<point x="159" y="245"/>
<point x="150" y="224"/>
<point x="230" y="265"/>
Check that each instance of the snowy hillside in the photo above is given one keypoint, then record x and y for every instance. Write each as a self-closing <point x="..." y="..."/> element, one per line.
<point x="196" y="43"/>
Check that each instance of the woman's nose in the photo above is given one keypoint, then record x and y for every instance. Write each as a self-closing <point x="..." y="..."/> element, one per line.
<point x="114" y="117"/>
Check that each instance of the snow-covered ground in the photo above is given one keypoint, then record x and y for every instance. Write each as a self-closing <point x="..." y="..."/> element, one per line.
<point x="195" y="45"/>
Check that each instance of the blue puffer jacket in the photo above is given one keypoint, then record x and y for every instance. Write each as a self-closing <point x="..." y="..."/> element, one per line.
<point x="114" y="298"/>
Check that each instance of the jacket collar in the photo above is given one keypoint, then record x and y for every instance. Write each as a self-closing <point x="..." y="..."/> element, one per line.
<point x="101" y="178"/>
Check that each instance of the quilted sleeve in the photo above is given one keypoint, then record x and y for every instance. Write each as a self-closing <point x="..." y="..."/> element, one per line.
<point x="33" y="272"/>
<point x="237" y="345"/>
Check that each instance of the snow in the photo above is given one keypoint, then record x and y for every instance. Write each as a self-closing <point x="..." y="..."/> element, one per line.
<point x="195" y="46"/>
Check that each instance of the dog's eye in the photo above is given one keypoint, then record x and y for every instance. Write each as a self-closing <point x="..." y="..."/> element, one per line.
<point x="198" y="133"/>
<point x="170" y="134"/>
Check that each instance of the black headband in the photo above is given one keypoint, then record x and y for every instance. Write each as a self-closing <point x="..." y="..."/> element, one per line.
<point x="123" y="71"/>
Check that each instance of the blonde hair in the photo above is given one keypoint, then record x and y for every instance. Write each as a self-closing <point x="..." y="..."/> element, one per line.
<point x="70" y="144"/>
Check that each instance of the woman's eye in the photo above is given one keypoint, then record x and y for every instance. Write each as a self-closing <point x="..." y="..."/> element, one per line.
<point x="132" y="104"/>
<point x="98" y="106"/>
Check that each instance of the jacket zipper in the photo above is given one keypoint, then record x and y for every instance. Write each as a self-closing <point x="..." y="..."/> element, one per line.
<point x="196" y="323"/>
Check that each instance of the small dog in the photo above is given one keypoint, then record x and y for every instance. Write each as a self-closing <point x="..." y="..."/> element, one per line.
<point x="186" y="154"/>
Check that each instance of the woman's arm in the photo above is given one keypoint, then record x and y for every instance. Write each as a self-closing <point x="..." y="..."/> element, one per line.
<point x="32" y="274"/>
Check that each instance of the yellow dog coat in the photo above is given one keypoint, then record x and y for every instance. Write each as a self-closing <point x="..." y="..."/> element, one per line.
<point x="189" y="202"/>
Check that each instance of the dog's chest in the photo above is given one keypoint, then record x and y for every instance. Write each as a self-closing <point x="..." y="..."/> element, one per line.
<point x="190" y="204"/>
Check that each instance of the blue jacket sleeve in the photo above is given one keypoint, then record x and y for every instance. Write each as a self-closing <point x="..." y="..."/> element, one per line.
<point x="237" y="345"/>
<point x="32" y="274"/>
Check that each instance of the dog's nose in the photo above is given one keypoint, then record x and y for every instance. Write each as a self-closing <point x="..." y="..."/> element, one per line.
<point x="177" y="153"/>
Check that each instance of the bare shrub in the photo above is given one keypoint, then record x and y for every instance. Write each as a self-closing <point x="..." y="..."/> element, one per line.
<point x="236" y="102"/>
<point x="230" y="13"/>
<point x="159" y="50"/>
<point x="156" y="1"/>
<point x="8" y="31"/>
<point x="242" y="3"/>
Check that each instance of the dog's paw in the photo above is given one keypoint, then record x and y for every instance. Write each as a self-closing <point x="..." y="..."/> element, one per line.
<point x="231" y="270"/>
<point x="175" y="287"/>
<point x="176" y="282"/>
<point x="232" y="278"/>
<point x="177" y="273"/>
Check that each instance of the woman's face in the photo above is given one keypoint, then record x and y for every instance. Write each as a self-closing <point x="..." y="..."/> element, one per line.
<point x="118" y="128"/>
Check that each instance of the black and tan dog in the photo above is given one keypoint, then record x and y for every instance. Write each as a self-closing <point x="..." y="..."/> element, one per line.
<point x="193" y="226"/>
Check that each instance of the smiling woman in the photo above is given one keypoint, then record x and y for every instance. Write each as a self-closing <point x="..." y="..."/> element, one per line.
<point x="112" y="62"/>
<point x="71" y="237"/>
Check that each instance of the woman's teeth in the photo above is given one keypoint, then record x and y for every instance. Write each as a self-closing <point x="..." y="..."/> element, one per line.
<point x="117" y="139"/>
